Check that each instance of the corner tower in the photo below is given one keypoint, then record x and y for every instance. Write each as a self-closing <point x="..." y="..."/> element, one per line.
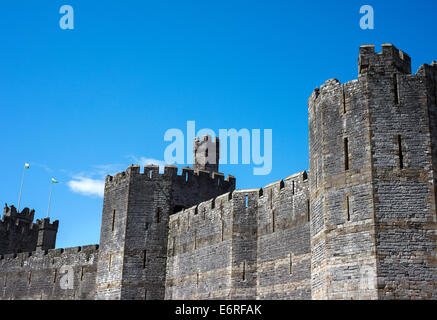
<point x="372" y="181"/>
<point x="18" y="232"/>
<point x="206" y="153"/>
<point x="134" y="234"/>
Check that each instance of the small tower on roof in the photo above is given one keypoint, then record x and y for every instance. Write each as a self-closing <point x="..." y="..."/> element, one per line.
<point x="206" y="153"/>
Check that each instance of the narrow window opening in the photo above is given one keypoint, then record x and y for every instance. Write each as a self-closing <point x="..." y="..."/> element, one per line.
<point x="110" y="262"/>
<point x="290" y="266"/>
<point x="206" y="153"/>
<point x="146" y="226"/>
<point x="244" y="271"/>
<point x="246" y="201"/>
<point x="223" y="230"/>
<point x="197" y="279"/>
<point x="186" y="176"/>
<point x="195" y="240"/>
<point x="6" y="281"/>
<point x="292" y="184"/>
<point x="145" y="294"/>
<point x="30" y="278"/>
<point x="344" y="99"/>
<point x="396" y="88"/>
<point x="150" y="174"/>
<point x="113" y="220"/>
<point x="346" y="154"/>
<point x="308" y="210"/>
<point x="401" y="155"/>
<point x="144" y="259"/>
<point x="55" y="275"/>
<point x="81" y="274"/>
<point x="348" y="213"/>
<point x="271" y="198"/>
<point x="273" y="220"/>
<point x="158" y="215"/>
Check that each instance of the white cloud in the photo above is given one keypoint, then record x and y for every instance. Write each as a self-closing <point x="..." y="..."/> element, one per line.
<point x="87" y="186"/>
<point x="85" y="183"/>
<point x="143" y="161"/>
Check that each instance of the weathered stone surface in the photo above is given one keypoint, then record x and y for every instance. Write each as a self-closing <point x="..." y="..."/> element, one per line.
<point x="361" y="225"/>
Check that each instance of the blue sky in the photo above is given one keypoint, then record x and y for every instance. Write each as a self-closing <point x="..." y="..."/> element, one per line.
<point x="79" y="104"/>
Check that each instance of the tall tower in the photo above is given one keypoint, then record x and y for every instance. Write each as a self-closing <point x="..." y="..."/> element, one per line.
<point x="206" y="153"/>
<point x="134" y="234"/>
<point x="18" y="232"/>
<point x="373" y="161"/>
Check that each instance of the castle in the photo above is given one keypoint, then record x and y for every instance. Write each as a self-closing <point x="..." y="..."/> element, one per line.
<point x="360" y="225"/>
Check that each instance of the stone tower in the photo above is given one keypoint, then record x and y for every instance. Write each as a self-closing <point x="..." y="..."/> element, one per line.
<point x="373" y="161"/>
<point x="206" y="153"/>
<point x="134" y="233"/>
<point x="18" y="232"/>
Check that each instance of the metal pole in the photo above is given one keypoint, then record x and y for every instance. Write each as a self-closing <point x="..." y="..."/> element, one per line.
<point x="21" y="189"/>
<point x="50" y="198"/>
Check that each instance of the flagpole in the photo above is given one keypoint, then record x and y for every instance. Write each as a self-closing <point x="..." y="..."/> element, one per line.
<point x="21" y="188"/>
<point x="50" y="198"/>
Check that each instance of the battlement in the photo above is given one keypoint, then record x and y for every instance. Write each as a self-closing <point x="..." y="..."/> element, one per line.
<point x="46" y="224"/>
<point x="52" y="253"/>
<point x="151" y="173"/>
<point x="26" y="214"/>
<point x="390" y="59"/>
<point x="291" y="182"/>
<point x="206" y="153"/>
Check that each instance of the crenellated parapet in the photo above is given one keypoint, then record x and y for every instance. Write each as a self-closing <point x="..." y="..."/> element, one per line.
<point x="136" y="211"/>
<point x="68" y="273"/>
<point x="390" y="59"/>
<point x="19" y="233"/>
<point x="217" y="248"/>
<point x="187" y="177"/>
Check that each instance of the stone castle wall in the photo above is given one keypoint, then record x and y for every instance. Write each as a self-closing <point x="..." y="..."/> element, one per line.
<point x="246" y="245"/>
<point x="44" y="275"/>
<point x="362" y="225"/>
<point x="372" y="187"/>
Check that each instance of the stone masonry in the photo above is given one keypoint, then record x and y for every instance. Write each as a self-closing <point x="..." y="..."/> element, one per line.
<point x="361" y="224"/>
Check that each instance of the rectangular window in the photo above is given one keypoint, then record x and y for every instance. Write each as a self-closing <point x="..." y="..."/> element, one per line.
<point x="81" y="274"/>
<point x="348" y="213"/>
<point x="244" y="271"/>
<point x="308" y="210"/>
<point x="401" y="155"/>
<point x="290" y="267"/>
<point x="396" y="88"/>
<point x="346" y="153"/>
<point x="195" y="239"/>
<point x="158" y="215"/>
<point x="344" y="99"/>
<point x="144" y="259"/>
<point x="273" y="220"/>
<point x="113" y="220"/>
